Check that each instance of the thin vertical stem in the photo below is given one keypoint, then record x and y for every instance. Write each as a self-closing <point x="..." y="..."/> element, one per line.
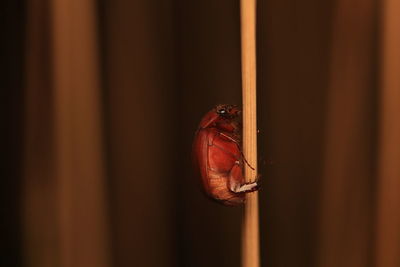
<point x="250" y="231"/>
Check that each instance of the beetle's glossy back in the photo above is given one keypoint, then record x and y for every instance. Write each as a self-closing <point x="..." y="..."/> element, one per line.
<point x="217" y="154"/>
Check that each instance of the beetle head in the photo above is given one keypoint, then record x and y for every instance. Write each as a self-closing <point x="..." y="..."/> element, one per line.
<point x="227" y="111"/>
<point x="224" y="117"/>
<point x="227" y="118"/>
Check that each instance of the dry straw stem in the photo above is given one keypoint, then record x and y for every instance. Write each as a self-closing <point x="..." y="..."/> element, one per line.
<point x="250" y="231"/>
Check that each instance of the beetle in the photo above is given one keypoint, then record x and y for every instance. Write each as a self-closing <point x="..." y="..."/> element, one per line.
<point x="218" y="157"/>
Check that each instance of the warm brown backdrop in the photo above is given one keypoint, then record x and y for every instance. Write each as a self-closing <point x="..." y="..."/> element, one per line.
<point x="102" y="99"/>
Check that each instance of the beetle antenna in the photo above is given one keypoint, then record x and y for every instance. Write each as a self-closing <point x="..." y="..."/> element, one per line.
<point x="245" y="160"/>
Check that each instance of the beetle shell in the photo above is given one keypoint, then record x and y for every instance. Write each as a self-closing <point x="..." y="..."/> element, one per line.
<point x="218" y="157"/>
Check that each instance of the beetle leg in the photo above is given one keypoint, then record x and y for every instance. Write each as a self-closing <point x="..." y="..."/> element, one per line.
<point x="236" y="181"/>
<point x="240" y="149"/>
<point x="211" y="143"/>
<point x="228" y="137"/>
<point x="228" y="152"/>
<point x="246" y="188"/>
<point x="245" y="160"/>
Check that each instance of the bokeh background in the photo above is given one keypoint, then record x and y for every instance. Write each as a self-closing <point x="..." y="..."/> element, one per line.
<point x="101" y="101"/>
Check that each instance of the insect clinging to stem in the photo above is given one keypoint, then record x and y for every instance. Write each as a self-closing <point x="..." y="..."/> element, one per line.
<point x="218" y="156"/>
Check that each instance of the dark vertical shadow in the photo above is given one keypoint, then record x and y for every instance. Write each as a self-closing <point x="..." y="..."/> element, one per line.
<point x="178" y="199"/>
<point x="12" y="18"/>
<point x="140" y="124"/>
<point x="103" y="55"/>
<point x="293" y="59"/>
<point x="207" y="50"/>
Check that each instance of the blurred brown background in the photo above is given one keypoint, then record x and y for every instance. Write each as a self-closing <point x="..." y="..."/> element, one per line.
<point x="101" y="101"/>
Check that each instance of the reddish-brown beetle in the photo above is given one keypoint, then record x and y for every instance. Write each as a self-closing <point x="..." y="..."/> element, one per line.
<point x="218" y="156"/>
